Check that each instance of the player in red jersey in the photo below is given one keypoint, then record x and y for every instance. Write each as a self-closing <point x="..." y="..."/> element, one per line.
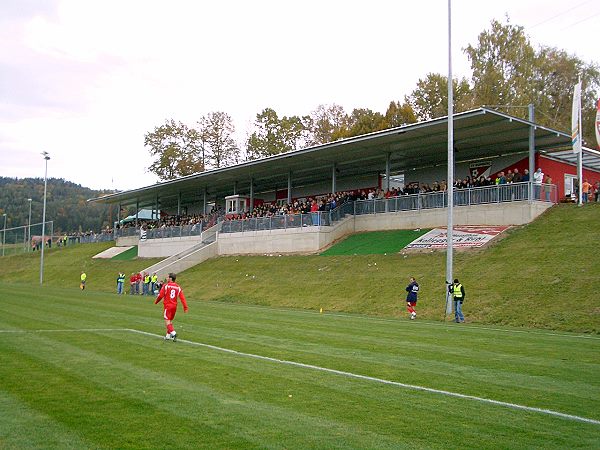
<point x="169" y="293"/>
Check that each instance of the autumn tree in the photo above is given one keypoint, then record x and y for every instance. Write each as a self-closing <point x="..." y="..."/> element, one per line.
<point x="430" y="98"/>
<point x="503" y="66"/>
<point x="399" y="114"/>
<point x="217" y="145"/>
<point x="273" y="135"/>
<point x="324" y="123"/>
<point x="508" y="71"/>
<point x="175" y="149"/>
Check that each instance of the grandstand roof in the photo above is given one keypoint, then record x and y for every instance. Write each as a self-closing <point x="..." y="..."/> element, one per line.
<point x="478" y="134"/>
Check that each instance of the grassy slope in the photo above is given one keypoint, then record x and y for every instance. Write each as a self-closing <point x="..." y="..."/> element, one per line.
<point x="117" y="389"/>
<point x="542" y="275"/>
<point x="62" y="267"/>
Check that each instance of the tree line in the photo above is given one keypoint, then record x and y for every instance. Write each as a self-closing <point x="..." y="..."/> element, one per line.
<point x="66" y="205"/>
<point x="507" y="73"/>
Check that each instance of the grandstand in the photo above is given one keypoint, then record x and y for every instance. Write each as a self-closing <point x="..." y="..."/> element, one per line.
<point x="486" y="143"/>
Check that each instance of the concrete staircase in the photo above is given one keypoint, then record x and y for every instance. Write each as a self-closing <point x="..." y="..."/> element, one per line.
<point x="206" y="249"/>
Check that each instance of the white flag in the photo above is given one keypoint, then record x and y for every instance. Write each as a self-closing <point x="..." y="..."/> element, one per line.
<point x="598" y="122"/>
<point x="575" y="114"/>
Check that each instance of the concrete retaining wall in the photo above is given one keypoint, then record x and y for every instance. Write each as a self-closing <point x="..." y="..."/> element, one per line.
<point x="292" y="240"/>
<point x="127" y="241"/>
<point x="162" y="248"/>
<point x="514" y="213"/>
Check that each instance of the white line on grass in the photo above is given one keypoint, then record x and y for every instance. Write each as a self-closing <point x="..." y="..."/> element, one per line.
<point x="65" y="330"/>
<point x="325" y="369"/>
<point x="382" y="381"/>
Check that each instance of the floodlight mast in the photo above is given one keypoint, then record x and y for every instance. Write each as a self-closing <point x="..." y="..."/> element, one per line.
<point x="4" y="234"/>
<point x="450" y="176"/>
<point x="46" y="158"/>
<point x="29" y="227"/>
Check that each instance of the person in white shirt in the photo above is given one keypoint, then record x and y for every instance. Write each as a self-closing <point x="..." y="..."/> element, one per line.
<point x="538" y="177"/>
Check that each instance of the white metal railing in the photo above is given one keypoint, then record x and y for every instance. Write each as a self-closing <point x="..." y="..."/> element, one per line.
<point x="500" y="193"/>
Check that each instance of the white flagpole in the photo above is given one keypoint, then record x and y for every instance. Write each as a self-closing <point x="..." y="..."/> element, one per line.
<point x="450" y="176"/>
<point x="580" y="144"/>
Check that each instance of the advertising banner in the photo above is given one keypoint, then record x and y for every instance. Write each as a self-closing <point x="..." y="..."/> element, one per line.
<point x="463" y="236"/>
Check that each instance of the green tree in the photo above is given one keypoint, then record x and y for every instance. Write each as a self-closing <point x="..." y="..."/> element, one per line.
<point x="430" y="98"/>
<point x="272" y="135"/>
<point x="176" y="150"/>
<point x="217" y="143"/>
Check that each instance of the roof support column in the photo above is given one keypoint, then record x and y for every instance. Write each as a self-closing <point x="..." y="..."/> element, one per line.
<point x="178" y="204"/>
<point x="204" y="205"/>
<point x="156" y="207"/>
<point x="234" y="187"/>
<point x="137" y="209"/>
<point x="531" y="150"/>
<point x="289" y="190"/>
<point x="333" y="178"/>
<point x="251" y="195"/>
<point x="388" y="163"/>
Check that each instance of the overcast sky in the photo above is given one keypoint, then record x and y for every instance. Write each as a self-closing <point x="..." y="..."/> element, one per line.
<point x="85" y="80"/>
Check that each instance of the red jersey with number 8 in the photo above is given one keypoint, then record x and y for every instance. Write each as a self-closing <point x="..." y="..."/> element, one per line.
<point x="169" y="294"/>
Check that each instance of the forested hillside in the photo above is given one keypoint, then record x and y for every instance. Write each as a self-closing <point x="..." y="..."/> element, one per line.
<point x="66" y="204"/>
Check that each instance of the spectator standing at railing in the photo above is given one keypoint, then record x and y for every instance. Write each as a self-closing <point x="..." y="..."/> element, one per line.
<point x="517" y="177"/>
<point x="525" y="178"/>
<point x="538" y="178"/>
<point x="585" y="191"/>
<point x="510" y="176"/>
<point x="597" y="190"/>
<point x="547" y="187"/>
<point x="411" y="297"/>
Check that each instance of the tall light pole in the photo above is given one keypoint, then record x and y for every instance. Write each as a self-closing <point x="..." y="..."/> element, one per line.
<point x="450" y="176"/>
<point x="3" y="233"/>
<point x="46" y="158"/>
<point x="29" y="228"/>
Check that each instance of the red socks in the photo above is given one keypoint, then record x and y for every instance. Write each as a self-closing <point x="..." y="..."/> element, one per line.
<point x="170" y="328"/>
<point x="410" y="309"/>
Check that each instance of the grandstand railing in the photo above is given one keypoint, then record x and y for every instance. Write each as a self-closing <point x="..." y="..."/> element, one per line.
<point x="286" y="221"/>
<point x="500" y="193"/>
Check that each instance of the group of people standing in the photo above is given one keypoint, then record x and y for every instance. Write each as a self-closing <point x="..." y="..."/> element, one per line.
<point x="456" y="292"/>
<point x="141" y="283"/>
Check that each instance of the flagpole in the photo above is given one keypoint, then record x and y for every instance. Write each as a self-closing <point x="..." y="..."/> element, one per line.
<point x="579" y="155"/>
<point x="450" y="176"/>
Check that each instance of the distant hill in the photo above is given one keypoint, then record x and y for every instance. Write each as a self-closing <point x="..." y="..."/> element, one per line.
<point x="65" y="204"/>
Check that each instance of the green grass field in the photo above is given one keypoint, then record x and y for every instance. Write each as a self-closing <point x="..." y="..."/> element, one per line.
<point x="90" y="370"/>
<point x="375" y="243"/>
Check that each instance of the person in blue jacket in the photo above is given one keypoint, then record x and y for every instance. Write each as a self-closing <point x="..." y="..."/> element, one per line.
<point x="411" y="297"/>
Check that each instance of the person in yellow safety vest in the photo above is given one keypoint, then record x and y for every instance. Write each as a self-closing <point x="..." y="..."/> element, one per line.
<point x="82" y="278"/>
<point x="146" y="288"/>
<point x="458" y="294"/>
<point x="120" y="282"/>
<point x="153" y="282"/>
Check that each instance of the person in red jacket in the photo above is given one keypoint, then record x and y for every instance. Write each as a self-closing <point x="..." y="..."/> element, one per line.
<point x="169" y="293"/>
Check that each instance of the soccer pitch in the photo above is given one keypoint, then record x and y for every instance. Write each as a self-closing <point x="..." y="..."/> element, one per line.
<point x="91" y="370"/>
